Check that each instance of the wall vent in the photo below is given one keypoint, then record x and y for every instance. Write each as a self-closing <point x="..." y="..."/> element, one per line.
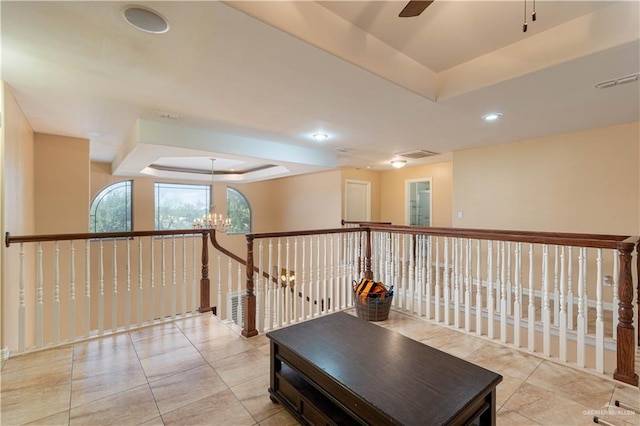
<point x="421" y="153"/>
<point x="235" y="304"/>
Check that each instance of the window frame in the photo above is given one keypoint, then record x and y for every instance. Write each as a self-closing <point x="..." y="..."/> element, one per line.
<point x="99" y="198"/>
<point x="248" y="204"/>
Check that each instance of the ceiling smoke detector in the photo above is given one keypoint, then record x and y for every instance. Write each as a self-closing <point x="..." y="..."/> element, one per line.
<point x="167" y="115"/>
<point x="145" y="19"/>
<point x="617" y="81"/>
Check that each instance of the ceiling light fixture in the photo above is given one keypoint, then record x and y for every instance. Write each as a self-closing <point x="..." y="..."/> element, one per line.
<point x="398" y="163"/>
<point x="492" y="116"/>
<point x="145" y="19"/>
<point x="320" y="136"/>
<point x="213" y="220"/>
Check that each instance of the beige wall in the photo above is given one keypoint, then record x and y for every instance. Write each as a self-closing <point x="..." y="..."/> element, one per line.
<point x="17" y="206"/>
<point x="393" y="192"/>
<point x="576" y="182"/>
<point x="307" y="201"/>
<point x="62" y="170"/>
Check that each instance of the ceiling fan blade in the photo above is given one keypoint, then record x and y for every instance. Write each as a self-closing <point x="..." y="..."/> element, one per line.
<point x="414" y="8"/>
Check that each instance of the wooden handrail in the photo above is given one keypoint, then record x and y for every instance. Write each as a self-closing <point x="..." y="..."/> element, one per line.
<point x="9" y="239"/>
<point x="557" y="238"/>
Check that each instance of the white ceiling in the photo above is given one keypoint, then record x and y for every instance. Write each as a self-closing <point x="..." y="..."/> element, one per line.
<point x="252" y="81"/>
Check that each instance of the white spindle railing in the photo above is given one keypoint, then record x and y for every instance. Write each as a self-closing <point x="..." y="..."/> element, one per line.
<point x="496" y="288"/>
<point x="112" y="295"/>
<point x="461" y="279"/>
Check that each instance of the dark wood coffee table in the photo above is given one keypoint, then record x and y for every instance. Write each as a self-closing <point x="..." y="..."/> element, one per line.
<point x="339" y="369"/>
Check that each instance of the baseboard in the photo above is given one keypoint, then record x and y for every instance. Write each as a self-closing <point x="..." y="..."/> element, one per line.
<point x="4" y="354"/>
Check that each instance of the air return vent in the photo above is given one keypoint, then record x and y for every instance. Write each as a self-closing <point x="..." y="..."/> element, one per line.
<point x="421" y="153"/>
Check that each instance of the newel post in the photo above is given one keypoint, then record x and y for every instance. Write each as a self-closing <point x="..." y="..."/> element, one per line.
<point x="204" y="279"/>
<point x="625" y="352"/>
<point x="249" y="328"/>
<point x="368" y="273"/>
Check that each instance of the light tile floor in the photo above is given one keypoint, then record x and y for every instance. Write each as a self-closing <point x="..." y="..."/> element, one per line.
<point x="200" y="371"/>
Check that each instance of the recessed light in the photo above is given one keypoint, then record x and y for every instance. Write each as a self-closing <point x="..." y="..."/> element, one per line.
<point x="398" y="163"/>
<point x="492" y="116"/>
<point x="145" y="19"/>
<point x="320" y="136"/>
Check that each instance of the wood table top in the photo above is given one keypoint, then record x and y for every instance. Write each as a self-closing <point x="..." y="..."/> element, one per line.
<point x="411" y="382"/>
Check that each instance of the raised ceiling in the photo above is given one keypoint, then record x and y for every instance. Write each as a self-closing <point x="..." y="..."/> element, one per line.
<point x="250" y="82"/>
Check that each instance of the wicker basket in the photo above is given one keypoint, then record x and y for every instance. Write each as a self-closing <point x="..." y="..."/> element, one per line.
<point x="372" y="309"/>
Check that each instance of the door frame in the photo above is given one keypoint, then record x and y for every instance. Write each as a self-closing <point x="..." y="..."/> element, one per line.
<point x="368" y="196"/>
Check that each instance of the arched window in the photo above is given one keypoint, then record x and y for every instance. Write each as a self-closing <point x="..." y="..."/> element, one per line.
<point x="111" y="209"/>
<point x="239" y="211"/>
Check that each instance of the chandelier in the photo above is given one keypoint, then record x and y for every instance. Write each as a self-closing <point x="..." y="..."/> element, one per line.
<point x="213" y="220"/>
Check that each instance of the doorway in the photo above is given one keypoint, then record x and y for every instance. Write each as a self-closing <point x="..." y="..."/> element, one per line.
<point x="357" y="201"/>
<point x="418" y="202"/>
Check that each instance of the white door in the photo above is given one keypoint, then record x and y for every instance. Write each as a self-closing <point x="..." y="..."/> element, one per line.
<point x="357" y="201"/>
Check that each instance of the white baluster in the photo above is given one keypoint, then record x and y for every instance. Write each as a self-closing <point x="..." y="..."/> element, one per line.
<point x="260" y="294"/>
<point x="585" y="298"/>
<point x="114" y="290"/>
<point x="140" y="296"/>
<point x="300" y="281"/>
<point x="490" y="304"/>
<point x="467" y="285"/>
<point x="546" y="311"/>
<point x="436" y="298"/>
<point x="418" y="273"/>
<point x="503" y="295"/>
<point x="310" y="292"/>
<point x="56" y="294"/>
<point x="127" y="300"/>
<point x="402" y="301"/>
<point x="324" y="301"/>
<point x="457" y="281"/>
<point x="411" y="290"/>
<point x="531" y="309"/>
<point x="570" y="289"/>
<point x="152" y="280"/>
<point x="101" y="290"/>
<point x="581" y="324"/>
<point x="194" y="280"/>
<point x="22" y="306"/>
<point x="517" y="296"/>
<point x="616" y="281"/>
<point x="429" y="266"/>
<point x="556" y="292"/>
<point x="174" y="292"/>
<point x="230" y="291"/>
<point x="219" y="313"/>
<point x="241" y="294"/>
<point x="319" y="277"/>
<point x="498" y="284"/>
<point x="509" y="282"/>
<point x="72" y="292"/>
<point x="563" y="311"/>
<point x="163" y="280"/>
<point x="285" y="284"/>
<point x="446" y="281"/>
<point x="183" y="297"/>
<point x="271" y="306"/>
<point x="39" y="299"/>
<point x="331" y="298"/>
<point x="87" y="287"/>
<point x="599" y="323"/>
<point x="478" y="290"/>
